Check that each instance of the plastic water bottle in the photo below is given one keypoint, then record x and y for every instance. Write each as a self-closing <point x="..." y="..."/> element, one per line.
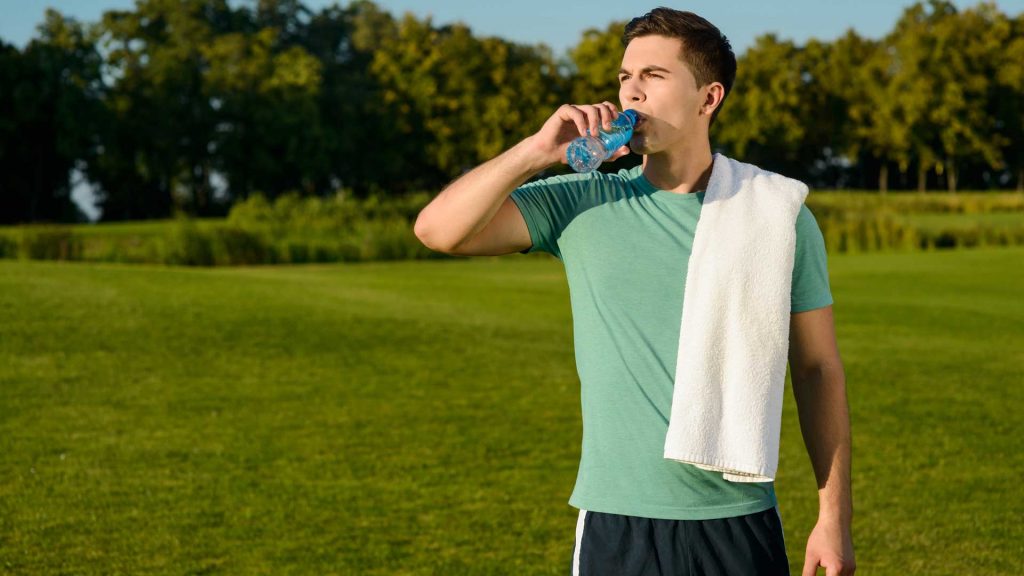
<point x="587" y="152"/>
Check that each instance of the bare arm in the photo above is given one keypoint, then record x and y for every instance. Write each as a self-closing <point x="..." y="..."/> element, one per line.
<point x="464" y="209"/>
<point x="474" y="214"/>
<point x="819" y="387"/>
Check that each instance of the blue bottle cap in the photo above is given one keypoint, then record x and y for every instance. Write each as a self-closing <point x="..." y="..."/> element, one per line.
<point x="633" y="116"/>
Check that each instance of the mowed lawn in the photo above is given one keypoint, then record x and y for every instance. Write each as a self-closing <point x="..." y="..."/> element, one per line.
<point x="423" y="417"/>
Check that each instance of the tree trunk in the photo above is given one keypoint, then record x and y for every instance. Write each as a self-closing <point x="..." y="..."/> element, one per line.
<point x="951" y="176"/>
<point x="883" y="178"/>
<point x="922" y="178"/>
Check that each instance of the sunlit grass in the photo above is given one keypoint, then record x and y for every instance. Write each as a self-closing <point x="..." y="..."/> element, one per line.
<point x="423" y="417"/>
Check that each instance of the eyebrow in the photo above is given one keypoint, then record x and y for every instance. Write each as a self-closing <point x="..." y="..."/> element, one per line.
<point x="651" y="68"/>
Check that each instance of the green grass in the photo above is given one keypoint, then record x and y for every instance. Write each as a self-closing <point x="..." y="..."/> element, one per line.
<point x="423" y="417"/>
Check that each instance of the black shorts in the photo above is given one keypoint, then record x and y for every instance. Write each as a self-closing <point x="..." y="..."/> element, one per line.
<point x="616" y="545"/>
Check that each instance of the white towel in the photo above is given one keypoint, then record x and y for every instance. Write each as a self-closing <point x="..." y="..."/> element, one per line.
<point x="734" y="331"/>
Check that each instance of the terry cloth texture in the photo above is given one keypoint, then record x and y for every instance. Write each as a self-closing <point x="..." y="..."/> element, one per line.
<point x="625" y="247"/>
<point x="615" y="545"/>
<point x="734" y="330"/>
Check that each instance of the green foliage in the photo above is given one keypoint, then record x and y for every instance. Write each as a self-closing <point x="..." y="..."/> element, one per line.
<point x="8" y="247"/>
<point x="467" y="98"/>
<point x="194" y="105"/>
<point x="762" y="119"/>
<point x="596" y="60"/>
<point x="51" y="97"/>
<point x="939" y="94"/>
<point x="864" y="231"/>
<point x="188" y="245"/>
<point x="293" y="214"/>
<point x="43" y="242"/>
<point x="268" y="98"/>
<point x="293" y="229"/>
<point x="852" y="223"/>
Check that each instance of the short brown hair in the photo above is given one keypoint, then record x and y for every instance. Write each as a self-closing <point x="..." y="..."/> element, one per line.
<point x="706" y="51"/>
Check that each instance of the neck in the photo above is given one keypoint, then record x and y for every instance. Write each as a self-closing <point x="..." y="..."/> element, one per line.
<point x="682" y="170"/>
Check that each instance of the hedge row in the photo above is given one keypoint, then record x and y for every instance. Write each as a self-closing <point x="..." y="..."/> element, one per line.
<point x="295" y="230"/>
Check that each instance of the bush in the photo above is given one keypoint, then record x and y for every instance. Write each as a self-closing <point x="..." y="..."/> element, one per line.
<point x="8" y="247"/>
<point x="291" y="213"/>
<point x="863" y="230"/>
<point x="237" y="246"/>
<point x="391" y="239"/>
<point x="50" y="243"/>
<point x="187" y="245"/>
<point x="340" y="228"/>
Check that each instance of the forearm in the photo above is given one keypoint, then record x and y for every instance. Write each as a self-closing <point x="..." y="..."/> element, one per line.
<point x="825" y="425"/>
<point x="469" y="203"/>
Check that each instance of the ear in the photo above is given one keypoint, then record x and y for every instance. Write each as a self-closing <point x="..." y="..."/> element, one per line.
<point x="714" y="93"/>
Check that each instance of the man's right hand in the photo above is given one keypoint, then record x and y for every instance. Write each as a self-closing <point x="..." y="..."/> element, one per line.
<point x="569" y="122"/>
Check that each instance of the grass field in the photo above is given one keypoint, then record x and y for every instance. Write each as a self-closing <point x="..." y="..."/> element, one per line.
<point x="423" y="417"/>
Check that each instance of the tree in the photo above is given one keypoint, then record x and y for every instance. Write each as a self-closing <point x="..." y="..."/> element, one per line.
<point x="888" y="104"/>
<point x="156" y="144"/>
<point x="268" y="136"/>
<point x="763" y="119"/>
<point x="349" y="113"/>
<point x="831" y="80"/>
<point x="461" y="99"/>
<point x="51" y="94"/>
<point x="1009" y="100"/>
<point x="966" y="49"/>
<point x="191" y="104"/>
<point x="596" y="60"/>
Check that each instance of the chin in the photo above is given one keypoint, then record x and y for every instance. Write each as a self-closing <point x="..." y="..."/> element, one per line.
<point x="640" y="145"/>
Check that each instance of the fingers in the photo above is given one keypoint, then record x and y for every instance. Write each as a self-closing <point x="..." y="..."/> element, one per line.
<point x="839" y="568"/>
<point x="831" y="564"/>
<point x="574" y="114"/>
<point x="589" y="118"/>
<point x="607" y="113"/>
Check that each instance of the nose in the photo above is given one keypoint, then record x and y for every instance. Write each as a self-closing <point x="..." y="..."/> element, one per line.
<point x="630" y="91"/>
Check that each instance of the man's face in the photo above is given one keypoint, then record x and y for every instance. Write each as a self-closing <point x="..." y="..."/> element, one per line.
<point x="655" y="82"/>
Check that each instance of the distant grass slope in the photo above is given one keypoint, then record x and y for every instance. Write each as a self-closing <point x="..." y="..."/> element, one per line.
<point x="423" y="417"/>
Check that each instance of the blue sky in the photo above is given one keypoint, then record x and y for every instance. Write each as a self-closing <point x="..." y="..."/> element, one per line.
<point x="559" y="24"/>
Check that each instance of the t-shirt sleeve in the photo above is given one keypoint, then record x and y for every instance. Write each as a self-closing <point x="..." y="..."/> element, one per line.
<point x="810" y="267"/>
<point x="548" y="206"/>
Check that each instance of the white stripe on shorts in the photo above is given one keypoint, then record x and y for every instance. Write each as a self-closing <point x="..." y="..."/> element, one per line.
<point x="579" y="541"/>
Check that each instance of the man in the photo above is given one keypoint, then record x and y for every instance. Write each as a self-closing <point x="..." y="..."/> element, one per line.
<point x="624" y="240"/>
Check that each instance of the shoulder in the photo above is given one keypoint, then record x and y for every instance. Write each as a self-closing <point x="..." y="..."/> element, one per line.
<point x="575" y="181"/>
<point x="621" y="180"/>
<point x="592" y="182"/>
<point x="761" y="178"/>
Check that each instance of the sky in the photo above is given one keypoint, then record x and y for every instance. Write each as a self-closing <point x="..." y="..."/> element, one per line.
<point x="557" y="24"/>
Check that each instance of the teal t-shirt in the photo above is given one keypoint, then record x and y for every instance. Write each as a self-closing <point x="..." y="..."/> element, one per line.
<point x="625" y="246"/>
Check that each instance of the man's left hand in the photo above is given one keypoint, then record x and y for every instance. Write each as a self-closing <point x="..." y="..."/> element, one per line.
<point x="830" y="545"/>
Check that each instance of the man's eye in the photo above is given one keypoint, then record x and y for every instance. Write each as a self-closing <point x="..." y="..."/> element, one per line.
<point x="623" y="78"/>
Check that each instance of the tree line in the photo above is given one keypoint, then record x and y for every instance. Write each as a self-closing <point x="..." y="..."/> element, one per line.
<point x="192" y="105"/>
